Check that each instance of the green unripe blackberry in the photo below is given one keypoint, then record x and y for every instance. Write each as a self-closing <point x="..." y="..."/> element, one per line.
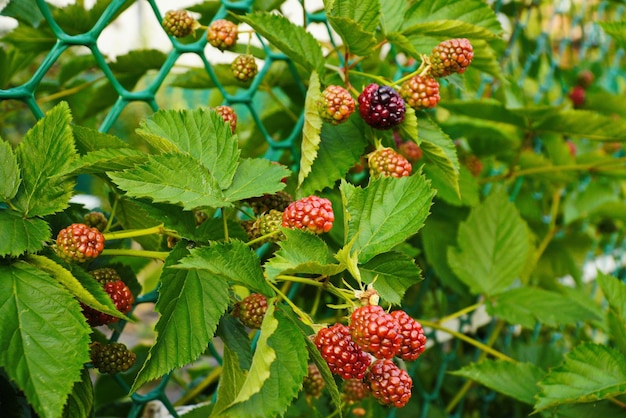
<point x="244" y="67"/>
<point x="111" y="358"/>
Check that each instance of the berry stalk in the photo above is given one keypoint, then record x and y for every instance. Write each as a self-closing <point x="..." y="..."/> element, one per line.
<point x="132" y="233"/>
<point x="157" y="255"/>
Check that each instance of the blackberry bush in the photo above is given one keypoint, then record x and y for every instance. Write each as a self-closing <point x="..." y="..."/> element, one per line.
<point x="471" y="185"/>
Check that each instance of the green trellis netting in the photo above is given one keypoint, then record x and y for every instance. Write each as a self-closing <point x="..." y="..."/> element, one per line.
<point x="562" y="34"/>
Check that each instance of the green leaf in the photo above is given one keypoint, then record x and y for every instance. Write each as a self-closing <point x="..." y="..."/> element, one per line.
<point x="492" y="246"/>
<point x="291" y="259"/>
<point x="278" y="367"/>
<point x="356" y="39"/>
<point x="341" y="147"/>
<point x="517" y="380"/>
<point x="90" y="140"/>
<point x="160" y="179"/>
<point x="12" y="61"/>
<point x="201" y="133"/>
<point x="80" y="403"/>
<point x="312" y="128"/>
<point x="486" y="59"/>
<point x="408" y="127"/>
<point x="31" y="39"/>
<point x="237" y="360"/>
<point x="46" y="151"/>
<point x="581" y="123"/>
<point x="590" y="372"/>
<point x="94" y="295"/>
<point x="439" y="149"/>
<point x="486" y="109"/>
<point x="190" y="305"/>
<point x="580" y="204"/>
<point x="23" y="10"/>
<point x="437" y="235"/>
<point x="19" y="235"/>
<point x="468" y="187"/>
<point x="256" y="177"/>
<point x="233" y="261"/>
<point x="293" y="40"/>
<point x="111" y="159"/>
<point x="448" y="28"/>
<point x="614" y="291"/>
<point x="392" y="16"/>
<point x="475" y="12"/>
<point x="616" y="30"/>
<point x="41" y="350"/>
<point x="364" y="12"/>
<point x="391" y="273"/>
<point x="528" y="305"/>
<point x="387" y="212"/>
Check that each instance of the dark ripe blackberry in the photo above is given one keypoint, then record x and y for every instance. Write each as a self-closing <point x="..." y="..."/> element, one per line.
<point x="381" y="107"/>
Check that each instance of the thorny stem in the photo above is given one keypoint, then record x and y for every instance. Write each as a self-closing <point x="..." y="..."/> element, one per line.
<point x="226" y="237"/>
<point x="460" y="313"/>
<point x="468" y="383"/>
<point x="112" y="215"/>
<point x="261" y="238"/>
<point x="422" y="70"/>
<point x="158" y="255"/>
<point x="304" y="317"/>
<point x="68" y="92"/>
<point x="601" y="166"/>
<point x="469" y="340"/>
<point x="343" y="294"/>
<point x="131" y="233"/>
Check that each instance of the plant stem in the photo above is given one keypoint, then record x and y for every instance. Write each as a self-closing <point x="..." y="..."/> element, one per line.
<point x="261" y="238"/>
<point x="112" y="214"/>
<point x="197" y="390"/>
<point x="131" y="233"/>
<point x="345" y="295"/>
<point x="158" y="255"/>
<point x="303" y="316"/>
<point x="554" y="210"/>
<point x="460" y="313"/>
<point x="226" y="238"/>
<point x="469" y="340"/>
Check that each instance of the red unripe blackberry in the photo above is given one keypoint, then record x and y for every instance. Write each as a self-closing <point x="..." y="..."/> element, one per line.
<point x="96" y="220"/>
<point x="111" y="358"/>
<point x="251" y="310"/>
<point x="387" y="162"/>
<point x="390" y="385"/>
<point x="222" y="34"/>
<point x="420" y="92"/>
<point x="413" y="338"/>
<point x="381" y="107"/>
<point x="411" y="151"/>
<point x="343" y="356"/>
<point x="354" y="390"/>
<point x="376" y="331"/>
<point x="451" y="56"/>
<point x="313" y="382"/>
<point x="577" y="95"/>
<point x="179" y="23"/>
<point x="228" y="114"/>
<point x="117" y="290"/>
<point x="336" y="105"/>
<point x="244" y="67"/>
<point x="79" y="243"/>
<point x="473" y="164"/>
<point x="314" y="214"/>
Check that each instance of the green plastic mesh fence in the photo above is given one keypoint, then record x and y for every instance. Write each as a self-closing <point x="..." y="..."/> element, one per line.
<point x="562" y="35"/>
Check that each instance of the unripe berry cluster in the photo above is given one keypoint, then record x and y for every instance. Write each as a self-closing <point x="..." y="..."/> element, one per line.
<point x="374" y="334"/>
